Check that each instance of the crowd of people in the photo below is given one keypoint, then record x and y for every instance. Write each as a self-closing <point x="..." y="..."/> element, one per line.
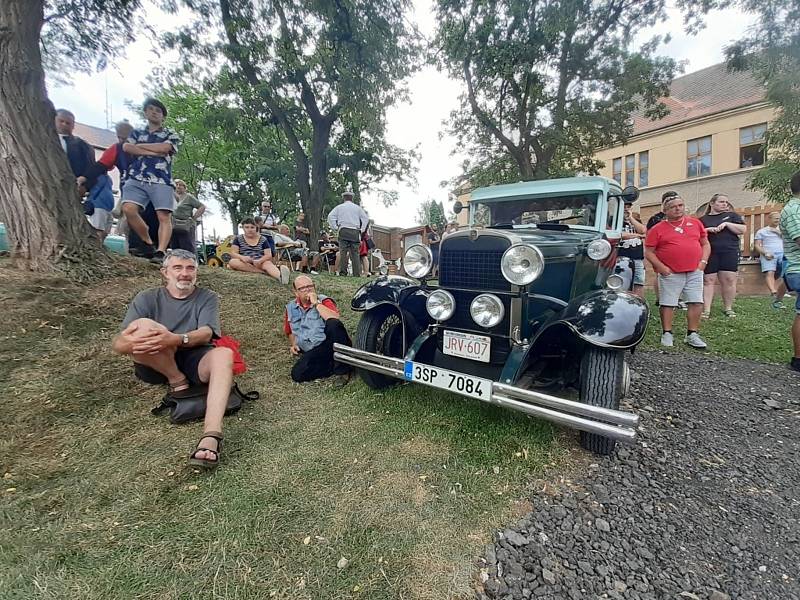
<point x="692" y="255"/>
<point x="156" y="212"/>
<point x="170" y="331"/>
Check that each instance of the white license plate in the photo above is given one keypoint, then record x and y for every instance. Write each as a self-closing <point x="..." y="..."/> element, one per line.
<point x="467" y="345"/>
<point x="460" y="383"/>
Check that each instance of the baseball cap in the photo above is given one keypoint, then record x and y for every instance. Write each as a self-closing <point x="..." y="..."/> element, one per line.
<point x="157" y="104"/>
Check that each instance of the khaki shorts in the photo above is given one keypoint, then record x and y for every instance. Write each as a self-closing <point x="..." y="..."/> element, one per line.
<point x="670" y="288"/>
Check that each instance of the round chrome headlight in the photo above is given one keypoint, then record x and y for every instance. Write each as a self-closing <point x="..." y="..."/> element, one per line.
<point x="487" y="310"/>
<point x="418" y="261"/>
<point x="615" y="282"/>
<point x="598" y="249"/>
<point x="441" y="305"/>
<point x="522" y="264"/>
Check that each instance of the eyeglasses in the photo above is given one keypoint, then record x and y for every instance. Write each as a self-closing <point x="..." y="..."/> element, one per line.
<point x="305" y="288"/>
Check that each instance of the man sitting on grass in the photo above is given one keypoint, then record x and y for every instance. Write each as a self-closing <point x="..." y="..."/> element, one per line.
<point x="167" y="331"/>
<point x="312" y="324"/>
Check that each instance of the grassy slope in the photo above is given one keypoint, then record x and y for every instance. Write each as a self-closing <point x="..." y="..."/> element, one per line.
<point x="97" y="501"/>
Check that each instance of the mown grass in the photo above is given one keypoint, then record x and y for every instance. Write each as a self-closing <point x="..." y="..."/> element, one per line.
<point x="97" y="501"/>
<point x="758" y="332"/>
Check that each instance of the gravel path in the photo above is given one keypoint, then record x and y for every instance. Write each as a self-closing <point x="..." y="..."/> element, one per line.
<point x="704" y="506"/>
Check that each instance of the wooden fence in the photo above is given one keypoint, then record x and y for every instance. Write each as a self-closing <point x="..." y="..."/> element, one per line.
<point x="755" y="217"/>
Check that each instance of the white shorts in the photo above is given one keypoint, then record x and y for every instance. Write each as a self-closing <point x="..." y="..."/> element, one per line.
<point x="670" y="288"/>
<point x="100" y="220"/>
<point x="638" y="271"/>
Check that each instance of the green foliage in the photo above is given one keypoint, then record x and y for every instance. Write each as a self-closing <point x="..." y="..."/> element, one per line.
<point x="228" y="151"/>
<point x="324" y="72"/>
<point x="85" y="34"/>
<point x="431" y="212"/>
<point x="548" y="83"/>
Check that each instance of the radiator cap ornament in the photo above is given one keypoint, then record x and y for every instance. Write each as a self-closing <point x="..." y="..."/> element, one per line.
<point x="473" y="235"/>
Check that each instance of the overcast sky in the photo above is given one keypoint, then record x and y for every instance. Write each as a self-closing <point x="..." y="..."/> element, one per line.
<point x="99" y="100"/>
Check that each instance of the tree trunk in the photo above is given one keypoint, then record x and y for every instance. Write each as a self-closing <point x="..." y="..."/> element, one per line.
<point x="38" y="197"/>
<point x="320" y="144"/>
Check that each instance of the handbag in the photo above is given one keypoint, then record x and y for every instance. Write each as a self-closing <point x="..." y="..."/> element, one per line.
<point x="190" y="405"/>
<point x="369" y="242"/>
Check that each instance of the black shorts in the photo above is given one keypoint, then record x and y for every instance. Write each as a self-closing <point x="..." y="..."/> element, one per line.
<point x="188" y="361"/>
<point x="722" y="261"/>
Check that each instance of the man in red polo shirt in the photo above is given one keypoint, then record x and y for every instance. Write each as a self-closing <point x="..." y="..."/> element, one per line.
<point x="678" y="249"/>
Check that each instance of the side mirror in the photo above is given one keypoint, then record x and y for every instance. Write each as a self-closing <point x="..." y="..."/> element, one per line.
<point x="630" y="194"/>
<point x="458" y="207"/>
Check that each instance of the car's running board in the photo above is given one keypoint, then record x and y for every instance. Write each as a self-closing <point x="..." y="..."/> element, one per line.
<point x="615" y="424"/>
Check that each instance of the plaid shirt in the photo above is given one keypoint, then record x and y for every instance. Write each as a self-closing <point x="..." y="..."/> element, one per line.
<point x="790" y="229"/>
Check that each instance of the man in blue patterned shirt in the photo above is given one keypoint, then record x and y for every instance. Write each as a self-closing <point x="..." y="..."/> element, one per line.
<point x="149" y="179"/>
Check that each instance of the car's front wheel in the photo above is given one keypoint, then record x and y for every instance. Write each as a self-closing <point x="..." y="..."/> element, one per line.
<point x="601" y="377"/>
<point x="380" y="331"/>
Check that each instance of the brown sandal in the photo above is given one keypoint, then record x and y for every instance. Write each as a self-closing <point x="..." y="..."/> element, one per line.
<point x="173" y="387"/>
<point x="205" y="463"/>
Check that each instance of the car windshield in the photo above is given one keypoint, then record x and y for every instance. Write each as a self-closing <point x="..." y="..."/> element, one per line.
<point x="575" y="210"/>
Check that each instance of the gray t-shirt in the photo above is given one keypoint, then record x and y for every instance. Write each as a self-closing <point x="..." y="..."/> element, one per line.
<point x="176" y="314"/>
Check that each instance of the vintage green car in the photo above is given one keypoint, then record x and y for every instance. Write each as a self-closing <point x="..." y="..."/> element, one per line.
<point x="528" y="302"/>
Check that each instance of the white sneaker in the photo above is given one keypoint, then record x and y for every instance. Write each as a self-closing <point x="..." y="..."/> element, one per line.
<point x="284" y="279"/>
<point x="695" y="341"/>
<point x="667" y="339"/>
<point x="313" y="272"/>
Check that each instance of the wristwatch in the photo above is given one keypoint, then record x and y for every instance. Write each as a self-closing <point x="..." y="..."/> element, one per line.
<point x="184" y="339"/>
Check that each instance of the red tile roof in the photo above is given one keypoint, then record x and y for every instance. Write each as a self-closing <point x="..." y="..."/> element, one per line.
<point x="94" y="136"/>
<point x="702" y="93"/>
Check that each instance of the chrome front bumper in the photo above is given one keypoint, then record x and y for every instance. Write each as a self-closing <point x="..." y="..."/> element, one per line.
<point x="615" y="424"/>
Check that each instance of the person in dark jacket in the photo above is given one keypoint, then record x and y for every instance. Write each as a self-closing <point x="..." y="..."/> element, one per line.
<point x="79" y="153"/>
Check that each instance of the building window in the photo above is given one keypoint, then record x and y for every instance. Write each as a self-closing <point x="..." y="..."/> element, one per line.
<point x="751" y="145"/>
<point x="630" y="165"/>
<point x="644" y="168"/>
<point x="616" y="169"/>
<point x="698" y="157"/>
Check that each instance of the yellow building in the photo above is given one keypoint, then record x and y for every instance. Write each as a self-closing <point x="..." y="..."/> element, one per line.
<point x="710" y="142"/>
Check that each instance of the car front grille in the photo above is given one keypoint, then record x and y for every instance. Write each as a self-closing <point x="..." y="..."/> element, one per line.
<point x="473" y="264"/>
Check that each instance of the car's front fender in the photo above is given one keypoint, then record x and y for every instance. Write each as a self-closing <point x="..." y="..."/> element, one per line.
<point x="605" y="318"/>
<point x="404" y="294"/>
<point x="398" y="291"/>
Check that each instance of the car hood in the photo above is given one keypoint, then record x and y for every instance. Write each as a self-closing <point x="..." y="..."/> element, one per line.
<point x="556" y="243"/>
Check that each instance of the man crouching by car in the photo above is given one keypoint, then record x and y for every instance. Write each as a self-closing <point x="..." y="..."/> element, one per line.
<point x="167" y="331"/>
<point x="312" y="325"/>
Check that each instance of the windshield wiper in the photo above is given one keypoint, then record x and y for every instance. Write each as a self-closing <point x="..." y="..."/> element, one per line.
<point x="502" y="225"/>
<point x="553" y="226"/>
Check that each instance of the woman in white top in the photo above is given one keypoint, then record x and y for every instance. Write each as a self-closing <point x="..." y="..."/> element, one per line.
<point x="769" y="245"/>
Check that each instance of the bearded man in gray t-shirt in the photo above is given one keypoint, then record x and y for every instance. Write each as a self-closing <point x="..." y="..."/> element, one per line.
<point x="168" y="332"/>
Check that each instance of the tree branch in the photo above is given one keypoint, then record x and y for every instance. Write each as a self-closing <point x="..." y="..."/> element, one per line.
<point x="250" y="73"/>
<point x="481" y="115"/>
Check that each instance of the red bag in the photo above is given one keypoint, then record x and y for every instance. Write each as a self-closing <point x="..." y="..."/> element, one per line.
<point x="226" y="341"/>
